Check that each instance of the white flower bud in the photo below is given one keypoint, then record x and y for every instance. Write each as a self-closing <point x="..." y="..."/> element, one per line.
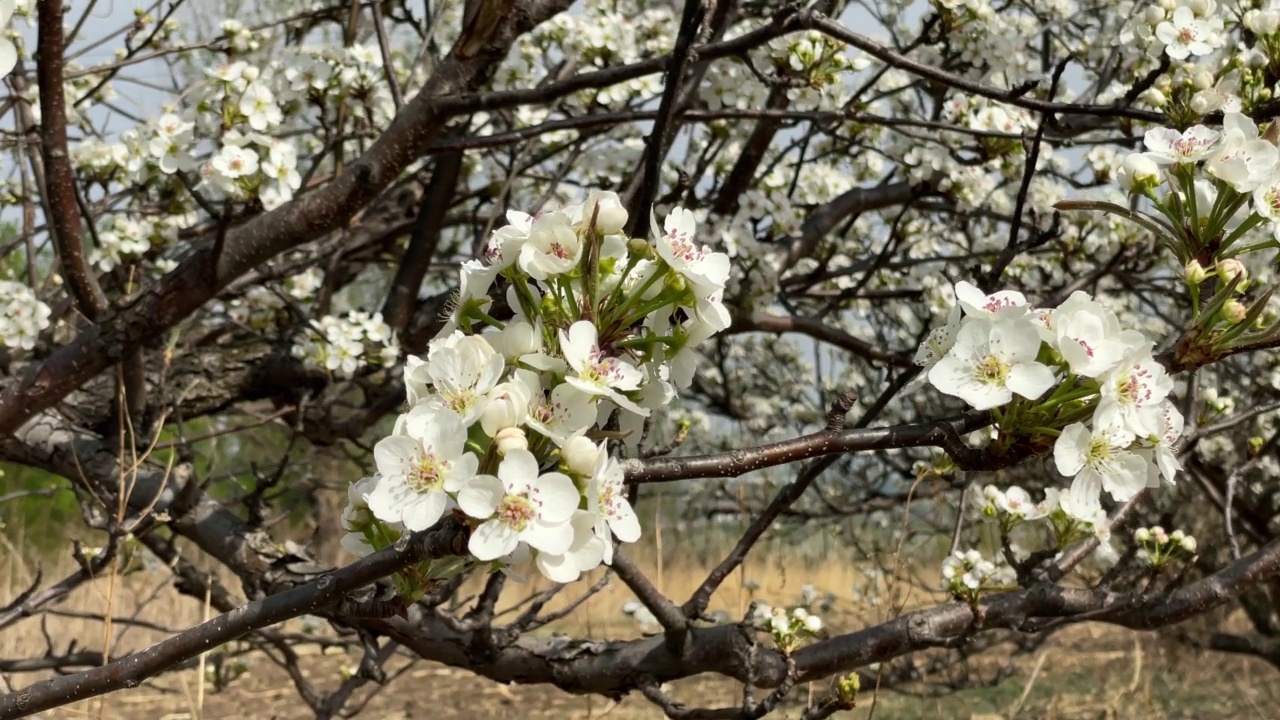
<point x="1195" y="272"/>
<point x="1267" y="22"/>
<point x="1154" y="98"/>
<point x="1153" y="15"/>
<point x="1230" y="269"/>
<point x="512" y="438"/>
<point x="250" y="73"/>
<point x="1201" y="8"/>
<point x="505" y="407"/>
<point x="1205" y="102"/>
<point x="780" y="624"/>
<point x="610" y="216"/>
<point x="1168" y="5"/>
<point x="580" y="454"/>
<point x="1262" y="22"/>
<point x="1234" y="311"/>
<point x="1138" y="173"/>
<point x="813" y="623"/>
<point x="1202" y="80"/>
<point x="1189" y="544"/>
<point x="1141" y="535"/>
<point x="517" y="338"/>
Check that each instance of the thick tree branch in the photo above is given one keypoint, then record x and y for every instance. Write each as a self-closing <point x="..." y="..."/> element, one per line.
<point x="61" y="181"/>
<point x="449" y="538"/>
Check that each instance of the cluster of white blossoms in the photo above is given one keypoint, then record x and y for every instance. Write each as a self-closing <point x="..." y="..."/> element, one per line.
<point x="1114" y="424"/>
<point x="789" y="628"/>
<point x="967" y="574"/>
<point x="506" y="417"/>
<point x="1066" y="520"/>
<point x="1230" y="167"/>
<point x="22" y="315"/>
<point x="1180" y="30"/>
<point x="1158" y="548"/>
<point x="345" y="345"/>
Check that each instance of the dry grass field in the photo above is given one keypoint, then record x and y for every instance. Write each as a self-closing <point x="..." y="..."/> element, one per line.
<point x="1090" y="671"/>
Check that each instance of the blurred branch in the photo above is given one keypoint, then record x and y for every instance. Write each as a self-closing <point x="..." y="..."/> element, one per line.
<point x="824" y="442"/>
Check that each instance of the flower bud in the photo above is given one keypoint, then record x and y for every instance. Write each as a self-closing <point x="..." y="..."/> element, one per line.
<point x="610" y="216"/>
<point x="250" y="73"/>
<point x="639" y="247"/>
<point x="512" y="438"/>
<point x="580" y="454"/>
<point x="813" y="623"/>
<point x="505" y="407"/>
<point x="1262" y="22"/>
<point x="1234" y="311"/>
<point x="847" y="689"/>
<point x="1153" y="15"/>
<point x="1138" y="174"/>
<point x="1202" y="80"/>
<point x="1154" y="98"/>
<point x="1168" y="5"/>
<point x="1195" y="273"/>
<point x="1189" y="544"/>
<point x="780" y="624"/>
<point x="1230" y="269"/>
<point x="1201" y="8"/>
<point x="1205" y="102"/>
<point x="1141" y="535"/>
<point x="517" y="338"/>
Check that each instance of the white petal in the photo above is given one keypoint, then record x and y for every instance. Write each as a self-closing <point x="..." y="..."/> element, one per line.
<point x="558" y="496"/>
<point x="1128" y="476"/>
<point x="388" y="499"/>
<point x="558" y="568"/>
<point x="393" y="452"/>
<point x="983" y="396"/>
<point x="1083" y="501"/>
<point x="1016" y="340"/>
<point x="8" y="56"/>
<point x="1070" y="448"/>
<point x="519" y="469"/>
<point x="623" y="522"/>
<point x="424" y="510"/>
<point x="492" y="540"/>
<point x="553" y="538"/>
<point x="480" y="496"/>
<point x="1030" y="379"/>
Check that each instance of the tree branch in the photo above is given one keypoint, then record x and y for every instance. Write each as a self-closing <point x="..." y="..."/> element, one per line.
<point x="65" y="223"/>
<point x="448" y="538"/>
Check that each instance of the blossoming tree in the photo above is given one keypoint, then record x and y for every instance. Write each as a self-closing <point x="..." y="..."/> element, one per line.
<point x="511" y="264"/>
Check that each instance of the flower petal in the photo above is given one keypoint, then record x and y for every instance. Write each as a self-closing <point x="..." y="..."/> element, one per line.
<point x="480" y="496"/>
<point x="492" y="540"/>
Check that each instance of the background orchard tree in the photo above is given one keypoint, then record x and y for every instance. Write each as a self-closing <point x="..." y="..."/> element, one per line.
<point x="995" y="279"/>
